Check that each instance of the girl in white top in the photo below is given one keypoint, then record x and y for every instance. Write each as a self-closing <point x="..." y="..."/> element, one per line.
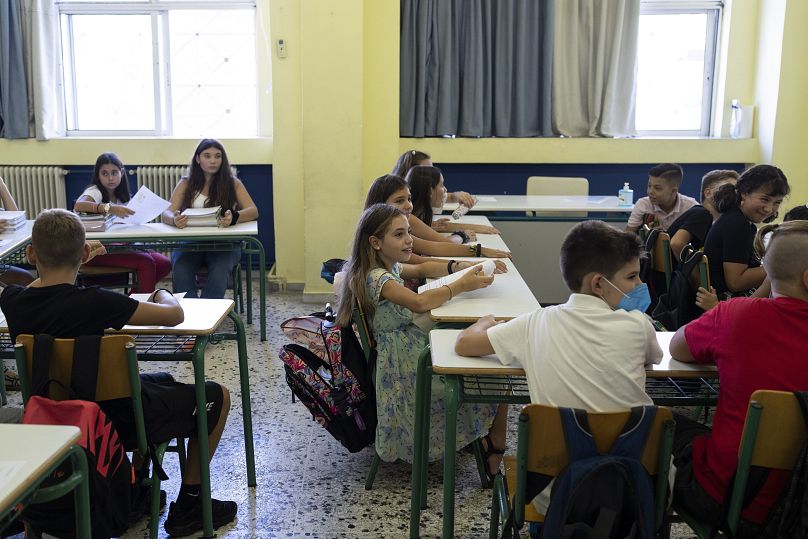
<point x="108" y="194"/>
<point x="210" y="183"/>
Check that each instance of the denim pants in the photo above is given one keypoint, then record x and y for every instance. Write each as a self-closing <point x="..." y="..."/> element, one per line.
<point x="188" y="263"/>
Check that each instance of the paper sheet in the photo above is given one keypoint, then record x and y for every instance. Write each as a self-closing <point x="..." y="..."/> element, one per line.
<point x="9" y="468"/>
<point x="449" y="279"/>
<point x="146" y="206"/>
<point x="145" y="297"/>
<point x="485" y="199"/>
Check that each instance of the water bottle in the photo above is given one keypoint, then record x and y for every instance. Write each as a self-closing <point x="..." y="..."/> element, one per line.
<point x="625" y="196"/>
<point x="460" y="211"/>
<point x="735" y="119"/>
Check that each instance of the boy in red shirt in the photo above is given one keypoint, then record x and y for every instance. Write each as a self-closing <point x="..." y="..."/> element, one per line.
<point x="756" y="343"/>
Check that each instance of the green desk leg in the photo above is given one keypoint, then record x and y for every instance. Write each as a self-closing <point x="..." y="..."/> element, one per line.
<point x="202" y="434"/>
<point x="248" y="276"/>
<point x="246" y="407"/>
<point x="262" y="288"/>
<point x="82" y="493"/>
<point x="449" y="453"/>
<point x="426" y="410"/>
<point x="418" y="457"/>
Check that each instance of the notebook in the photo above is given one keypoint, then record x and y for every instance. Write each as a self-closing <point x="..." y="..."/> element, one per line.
<point x="202" y="216"/>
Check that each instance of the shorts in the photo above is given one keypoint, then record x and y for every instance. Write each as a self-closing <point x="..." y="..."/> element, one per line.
<point x="169" y="410"/>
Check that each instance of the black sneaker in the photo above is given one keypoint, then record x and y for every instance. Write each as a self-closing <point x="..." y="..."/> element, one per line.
<point x="182" y="523"/>
<point x="140" y="503"/>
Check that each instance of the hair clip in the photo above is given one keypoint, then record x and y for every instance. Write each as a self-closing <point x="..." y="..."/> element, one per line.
<point x="412" y="152"/>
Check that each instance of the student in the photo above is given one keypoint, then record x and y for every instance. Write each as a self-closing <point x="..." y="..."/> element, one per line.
<point x="414" y="158"/>
<point x="692" y="226"/>
<point x="590" y="352"/>
<point x="210" y="183"/>
<point x="108" y="194"/>
<point x="756" y="197"/>
<point x="429" y="194"/>
<point x="52" y="304"/>
<point x="664" y="202"/>
<point x="390" y="189"/>
<point x="374" y="275"/>
<point x="10" y="274"/>
<point x="756" y="343"/>
<point x="797" y="213"/>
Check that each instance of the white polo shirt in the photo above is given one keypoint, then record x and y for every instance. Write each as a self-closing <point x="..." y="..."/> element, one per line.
<point x="666" y="219"/>
<point x="581" y="354"/>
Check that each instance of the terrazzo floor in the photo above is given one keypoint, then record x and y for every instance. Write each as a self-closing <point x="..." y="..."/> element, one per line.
<point x="308" y="484"/>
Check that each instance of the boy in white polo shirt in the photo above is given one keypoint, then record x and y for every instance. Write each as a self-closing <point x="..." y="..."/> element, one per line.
<point x="664" y="203"/>
<point x="590" y="352"/>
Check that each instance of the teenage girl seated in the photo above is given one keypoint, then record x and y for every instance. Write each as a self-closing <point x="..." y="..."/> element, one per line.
<point x="429" y="194"/>
<point x="734" y="265"/>
<point x="389" y="189"/>
<point x="210" y="183"/>
<point x="414" y="158"/>
<point x="374" y="276"/>
<point x="108" y="194"/>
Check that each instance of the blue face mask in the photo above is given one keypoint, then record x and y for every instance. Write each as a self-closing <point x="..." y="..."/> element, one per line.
<point x="638" y="299"/>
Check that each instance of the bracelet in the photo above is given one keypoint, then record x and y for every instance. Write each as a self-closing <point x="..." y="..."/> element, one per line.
<point x="234" y="217"/>
<point x="154" y="294"/>
<point x="449" y="266"/>
<point x="462" y="235"/>
<point x="450" y="291"/>
<point x="478" y="249"/>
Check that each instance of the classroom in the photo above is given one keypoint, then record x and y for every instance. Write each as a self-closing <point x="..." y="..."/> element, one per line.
<point x="326" y="114"/>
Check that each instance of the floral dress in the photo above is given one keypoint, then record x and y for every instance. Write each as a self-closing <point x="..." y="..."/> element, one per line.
<point x="399" y="344"/>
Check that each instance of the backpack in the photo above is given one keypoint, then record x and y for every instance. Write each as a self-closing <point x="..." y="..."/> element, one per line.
<point x="110" y="471"/>
<point x="330" y="268"/>
<point x="788" y="518"/>
<point x="597" y="495"/>
<point x="338" y="389"/>
<point x="678" y="306"/>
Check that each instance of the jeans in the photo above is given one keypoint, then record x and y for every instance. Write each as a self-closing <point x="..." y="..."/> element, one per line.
<point x="188" y="263"/>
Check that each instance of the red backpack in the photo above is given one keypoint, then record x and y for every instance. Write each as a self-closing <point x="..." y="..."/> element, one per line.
<point x="110" y="470"/>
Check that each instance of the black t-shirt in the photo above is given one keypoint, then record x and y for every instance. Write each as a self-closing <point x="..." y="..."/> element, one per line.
<point x="64" y="310"/>
<point x="697" y="221"/>
<point x="731" y="239"/>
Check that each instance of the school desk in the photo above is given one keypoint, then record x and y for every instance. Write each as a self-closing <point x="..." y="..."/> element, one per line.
<point x="506" y="298"/>
<point x="492" y="241"/>
<point x="28" y="455"/>
<point x="544" y="203"/>
<point x="483" y="380"/>
<point x="187" y="342"/>
<point x="467" y="219"/>
<point x="11" y="242"/>
<point x="197" y="238"/>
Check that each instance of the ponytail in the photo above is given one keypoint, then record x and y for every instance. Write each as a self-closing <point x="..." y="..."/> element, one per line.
<point x="726" y="198"/>
<point x="760" y="239"/>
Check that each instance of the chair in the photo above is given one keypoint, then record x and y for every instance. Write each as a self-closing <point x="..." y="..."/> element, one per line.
<point x="118" y="377"/>
<point x="661" y="254"/>
<point x="774" y="433"/>
<point x="108" y="277"/>
<point x="238" y="295"/>
<point x="541" y="448"/>
<point x="368" y="343"/>
<point x="557" y="185"/>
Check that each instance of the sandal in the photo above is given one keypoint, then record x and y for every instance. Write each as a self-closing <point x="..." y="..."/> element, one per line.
<point x="12" y="379"/>
<point x="488" y="451"/>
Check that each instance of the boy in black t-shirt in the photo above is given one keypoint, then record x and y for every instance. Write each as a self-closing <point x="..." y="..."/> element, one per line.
<point x="52" y="304"/>
<point x="692" y="226"/>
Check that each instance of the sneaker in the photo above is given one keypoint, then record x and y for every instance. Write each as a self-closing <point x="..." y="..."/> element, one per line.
<point x="140" y="503"/>
<point x="182" y="523"/>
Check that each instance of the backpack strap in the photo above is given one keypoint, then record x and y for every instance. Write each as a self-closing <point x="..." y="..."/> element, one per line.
<point x="631" y="441"/>
<point x="84" y="375"/>
<point x="40" y="368"/>
<point x="580" y="442"/>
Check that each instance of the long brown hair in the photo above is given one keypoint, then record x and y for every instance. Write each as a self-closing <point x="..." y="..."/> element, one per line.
<point x="408" y="160"/>
<point x="375" y="221"/>
<point x="222" y="188"/>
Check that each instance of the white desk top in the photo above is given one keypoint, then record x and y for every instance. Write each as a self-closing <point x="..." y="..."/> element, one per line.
<point x="446" y="361"/>
<point x="466" y="219"/>
<point x="163" y="231"/>
<point x="11" y="241"/>
<point x="506" y="298"/>
<point x="27" y="451"/>
<point x="545" y="203"/>
<point x="492" y="241"/>
<point x="202" y="317"/>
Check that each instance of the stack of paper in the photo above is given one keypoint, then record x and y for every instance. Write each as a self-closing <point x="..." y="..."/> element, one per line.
<point x="202" y="216"/>
<point x="96" y="222"/>
<point x="14" y="220"/>
<point x="146" y="205"/>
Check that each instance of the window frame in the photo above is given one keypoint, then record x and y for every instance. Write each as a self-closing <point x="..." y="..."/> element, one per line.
<point x="714" y="11"/>
<point x="161" y="55"/>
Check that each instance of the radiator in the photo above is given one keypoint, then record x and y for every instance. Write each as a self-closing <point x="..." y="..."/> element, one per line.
<point x="36" y="188"/>
<point x="163" y="179"/>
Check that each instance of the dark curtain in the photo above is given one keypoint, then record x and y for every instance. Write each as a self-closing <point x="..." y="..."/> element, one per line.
<point x="13" y="90"/>
<point x="476" y="68"/>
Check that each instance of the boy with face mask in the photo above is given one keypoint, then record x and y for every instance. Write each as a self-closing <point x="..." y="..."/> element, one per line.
<point x="590" y="352"/>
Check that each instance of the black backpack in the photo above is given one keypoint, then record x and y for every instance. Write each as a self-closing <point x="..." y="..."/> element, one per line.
<point x="110" y="471"/>
<point x="598" y="495"/>
<point x="338" y="389"/>
<point x="678" y="306"/>
<point x="788" y="519"/>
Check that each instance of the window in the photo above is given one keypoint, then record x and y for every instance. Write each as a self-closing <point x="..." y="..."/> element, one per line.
<point x="676" y="66"/>
<point x="160" y="67"/>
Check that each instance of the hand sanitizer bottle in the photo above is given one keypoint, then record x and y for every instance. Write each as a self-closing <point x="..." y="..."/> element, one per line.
<point x="625" y="196"/>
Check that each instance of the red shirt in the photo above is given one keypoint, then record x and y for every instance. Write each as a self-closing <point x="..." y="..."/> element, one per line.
<point x="756" y="344"/>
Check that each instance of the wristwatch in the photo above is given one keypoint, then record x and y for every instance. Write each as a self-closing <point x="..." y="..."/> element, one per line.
<point x="105" y="208"/>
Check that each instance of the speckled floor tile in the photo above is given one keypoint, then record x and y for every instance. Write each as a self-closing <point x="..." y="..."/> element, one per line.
<point x="308" y="485"/>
